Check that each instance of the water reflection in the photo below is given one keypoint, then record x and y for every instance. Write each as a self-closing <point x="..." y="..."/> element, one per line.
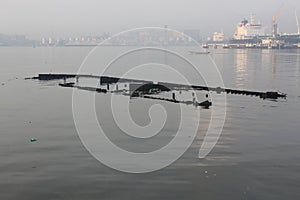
<point x="273" y="62"/>
<point x="297" y="66"/>
<point x="269" y="58"/>
<point x="250" y="66"/>
<point x="240" y="62"/>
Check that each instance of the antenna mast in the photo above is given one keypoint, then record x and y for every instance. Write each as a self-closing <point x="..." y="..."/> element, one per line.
<point x="298" y="25"/>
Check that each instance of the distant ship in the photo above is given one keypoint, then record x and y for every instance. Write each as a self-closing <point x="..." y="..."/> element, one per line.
<point x="248" y="32"/>
<point x="253" y="35"/>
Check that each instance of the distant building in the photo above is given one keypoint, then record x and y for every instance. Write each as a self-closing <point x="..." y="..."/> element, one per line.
<point x="50" y="41"/>
<point x="43" y="42"/>
<point x="218" y="37"/>
<point x="15" y="40"/>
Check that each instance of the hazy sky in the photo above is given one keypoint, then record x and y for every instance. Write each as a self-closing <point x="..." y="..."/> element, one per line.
<point x="37" y="18"/>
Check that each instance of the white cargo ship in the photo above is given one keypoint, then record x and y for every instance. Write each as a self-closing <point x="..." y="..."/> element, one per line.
<point x="248" y="30"/>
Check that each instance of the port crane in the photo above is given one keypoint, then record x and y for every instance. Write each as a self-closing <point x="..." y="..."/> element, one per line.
<point x="274" y="21"/>
<point x="298" y="25"/>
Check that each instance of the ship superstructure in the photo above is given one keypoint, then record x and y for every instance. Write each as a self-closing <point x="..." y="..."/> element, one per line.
<point x="248" y="30"/>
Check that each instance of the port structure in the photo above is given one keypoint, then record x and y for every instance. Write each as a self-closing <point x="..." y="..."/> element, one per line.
<point x="274" y="21"/>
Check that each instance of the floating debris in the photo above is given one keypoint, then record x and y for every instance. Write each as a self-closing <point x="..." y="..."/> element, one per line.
<point x="33" y="139"/>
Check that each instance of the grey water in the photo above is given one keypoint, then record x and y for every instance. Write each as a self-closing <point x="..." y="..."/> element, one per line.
<point x="256" y="157"/>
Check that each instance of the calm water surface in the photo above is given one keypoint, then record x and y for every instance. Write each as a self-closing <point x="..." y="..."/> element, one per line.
<point x="257" y="156"/>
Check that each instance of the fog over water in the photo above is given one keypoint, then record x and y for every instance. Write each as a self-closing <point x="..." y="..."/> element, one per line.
<point x="57" y="18"/>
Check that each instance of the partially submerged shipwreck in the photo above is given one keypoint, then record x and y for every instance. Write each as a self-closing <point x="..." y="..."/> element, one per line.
<point x="149" y="90"/>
